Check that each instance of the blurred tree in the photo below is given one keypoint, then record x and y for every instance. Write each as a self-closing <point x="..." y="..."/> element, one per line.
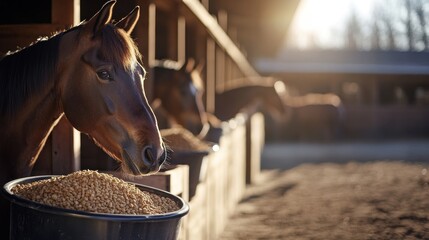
<point x="409" y="25"/>
<point x="353" y="32"/>
<point x="394" y="25"/>
<point x="375" y="35"/>
<point x="384" y="18"/>
<point x="390" y="31"/>
<point x="421" y="16"/>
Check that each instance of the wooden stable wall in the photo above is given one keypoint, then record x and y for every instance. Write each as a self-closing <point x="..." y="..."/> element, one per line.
<point x="374" y="106"/>
<point x="61" y="152"/>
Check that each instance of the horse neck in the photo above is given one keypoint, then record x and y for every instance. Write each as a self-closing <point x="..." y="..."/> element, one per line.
<point x="272" y="99"/>
<point x="232" y="101"/>
<point x="25" y="130"/>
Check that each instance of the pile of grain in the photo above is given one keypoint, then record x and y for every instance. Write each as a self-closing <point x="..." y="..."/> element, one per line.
<point x="91" y="191"/>
<point x="181" y="139"/>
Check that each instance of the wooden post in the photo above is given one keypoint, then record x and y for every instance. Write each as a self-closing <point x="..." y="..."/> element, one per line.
<point x="65" y="148"/>
<point x="211" y="80"/>
<point x="65" y="12"/>
<point x="152" y="35"/>
<point x="181" y="40"/>
<point x="220" y="70"/>
<point x="64" y="142"/>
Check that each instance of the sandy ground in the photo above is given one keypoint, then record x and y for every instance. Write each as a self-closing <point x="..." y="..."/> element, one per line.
<point x="378" y="199"/>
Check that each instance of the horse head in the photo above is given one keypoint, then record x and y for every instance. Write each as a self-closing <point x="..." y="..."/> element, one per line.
<point x="256" y="94"/>
<point x="180" y="91"/>
<point x="102" y="92"/>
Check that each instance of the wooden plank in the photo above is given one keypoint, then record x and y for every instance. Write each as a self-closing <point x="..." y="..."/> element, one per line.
<point x="196" y="227"/>
<point x="65" y="12"/>
<point x="220" y="36"/>
<point x="236" y="174"/>
<point x="173" y="180"/>
<point x="220" y="70"/>
<point x="144" y="36"/>
<point x="65" y="148"/>
<point x="255" y="139"/>
<point x="216" y="183"/>
<point x="13" y="37"/>
<point x="181" y="39"/>
<point x="172" y="29"/>
<point x="65" y="139"/>
<point x="210" y="75"/>
<point x="152" y="35"/>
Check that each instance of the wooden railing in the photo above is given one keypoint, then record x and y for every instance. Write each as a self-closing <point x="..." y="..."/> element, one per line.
<point x="181" y="29"/>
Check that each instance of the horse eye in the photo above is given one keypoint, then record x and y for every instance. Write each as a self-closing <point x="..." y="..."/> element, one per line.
<point x="105" y="75"/>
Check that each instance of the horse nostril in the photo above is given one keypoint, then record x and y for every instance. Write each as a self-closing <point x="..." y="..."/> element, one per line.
<point x="151" y="159"/>
<point x="148" y="156"/>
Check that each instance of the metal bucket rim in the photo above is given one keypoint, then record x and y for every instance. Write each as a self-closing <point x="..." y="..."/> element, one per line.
<point x="101" y="216"/>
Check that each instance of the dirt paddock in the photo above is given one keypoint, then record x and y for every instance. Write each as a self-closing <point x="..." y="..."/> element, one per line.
<point x="349" y="200"/>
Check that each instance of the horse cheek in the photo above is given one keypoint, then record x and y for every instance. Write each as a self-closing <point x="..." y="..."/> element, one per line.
<point x="78" y="111"/>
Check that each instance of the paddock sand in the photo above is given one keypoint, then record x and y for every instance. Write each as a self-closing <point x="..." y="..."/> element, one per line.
<point x="373" y="200"/>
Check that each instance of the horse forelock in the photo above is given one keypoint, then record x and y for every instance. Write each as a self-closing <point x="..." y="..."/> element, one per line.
<point x="119" y="48"/>
<point x="26" y="71"/>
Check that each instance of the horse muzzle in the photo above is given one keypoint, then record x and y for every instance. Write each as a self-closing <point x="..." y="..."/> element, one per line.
<point x="147" y="162"/>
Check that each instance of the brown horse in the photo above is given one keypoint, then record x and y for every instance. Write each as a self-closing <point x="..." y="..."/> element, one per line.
<point x="178" y="91"/>
<point x="91" y="75"/>
<point x="267" y="98"/>
<point x="315" y="117"/>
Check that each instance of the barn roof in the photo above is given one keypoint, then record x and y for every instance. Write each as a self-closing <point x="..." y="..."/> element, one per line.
<point x="341" y="61"/>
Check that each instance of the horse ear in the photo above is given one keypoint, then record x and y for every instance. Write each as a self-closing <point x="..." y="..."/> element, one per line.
<point x="129" y="22"/>
<point x="188" y="66"/>
<point x="199" y="68"/>
<point x="101" y="18"/>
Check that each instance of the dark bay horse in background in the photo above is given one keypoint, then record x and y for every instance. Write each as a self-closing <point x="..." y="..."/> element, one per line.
<point x="90" y="74"/>
<point x="314" y="116"/>
<point x="265" y="96"/>
<point x="178" y="91"/>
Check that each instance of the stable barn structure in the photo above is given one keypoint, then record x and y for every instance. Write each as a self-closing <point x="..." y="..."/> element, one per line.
<point x="384" y="94"/>
<point x="167" y="29"/>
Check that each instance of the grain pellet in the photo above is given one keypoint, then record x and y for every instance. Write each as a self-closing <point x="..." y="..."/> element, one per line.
<point x="91" y="191"/>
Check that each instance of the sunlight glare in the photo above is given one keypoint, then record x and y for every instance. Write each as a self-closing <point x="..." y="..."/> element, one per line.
<point x="321" y="21"/>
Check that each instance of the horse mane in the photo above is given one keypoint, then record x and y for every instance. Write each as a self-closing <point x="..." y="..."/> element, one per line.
<point x="26" y="71"/>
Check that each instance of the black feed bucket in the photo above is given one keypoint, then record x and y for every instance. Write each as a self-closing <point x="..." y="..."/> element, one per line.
<point x="31" y="220"/>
